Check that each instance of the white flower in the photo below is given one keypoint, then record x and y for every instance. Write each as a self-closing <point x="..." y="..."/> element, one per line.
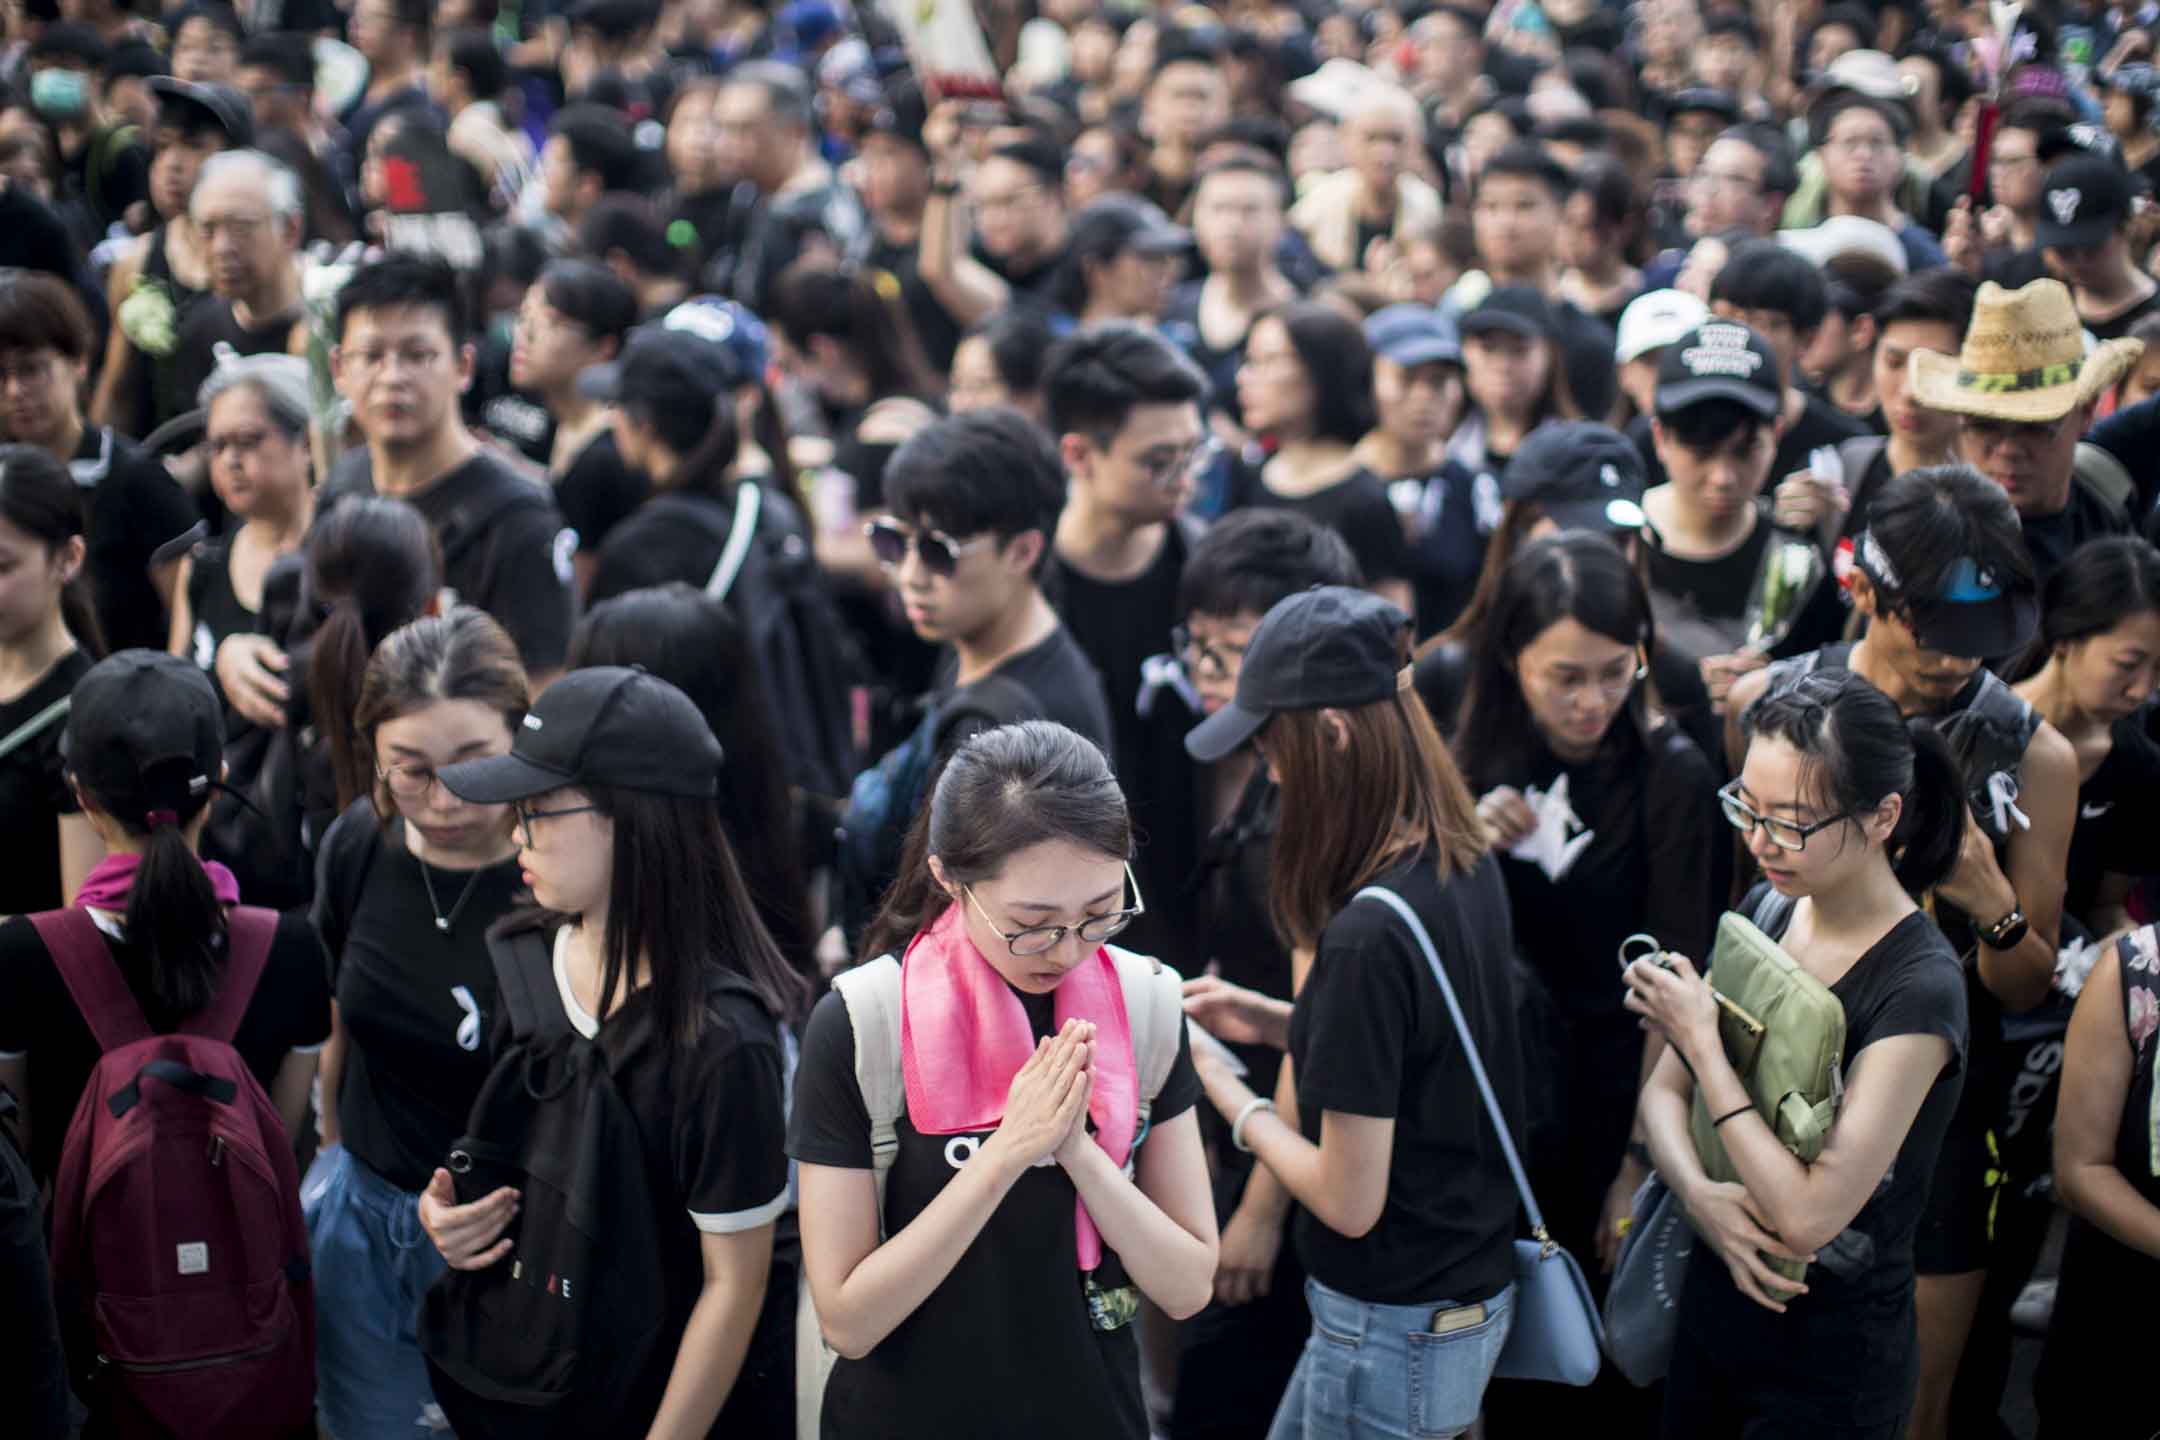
<point x="149" y="319"/>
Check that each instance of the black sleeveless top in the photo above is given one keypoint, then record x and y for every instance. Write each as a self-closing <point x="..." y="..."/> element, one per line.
<point x="217" y="610"/>
<point x="161" y="388"/>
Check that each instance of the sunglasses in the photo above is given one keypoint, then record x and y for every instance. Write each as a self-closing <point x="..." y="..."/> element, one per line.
<point x="939" y="552"/>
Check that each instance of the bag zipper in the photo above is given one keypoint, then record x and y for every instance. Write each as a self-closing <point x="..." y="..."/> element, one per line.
<point x="174" y="1367"/>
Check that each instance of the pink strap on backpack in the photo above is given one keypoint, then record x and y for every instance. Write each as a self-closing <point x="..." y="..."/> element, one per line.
<point x="101" y="993"/>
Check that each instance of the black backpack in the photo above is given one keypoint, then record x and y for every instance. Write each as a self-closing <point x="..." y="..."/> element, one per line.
<point x="805" y="651"/>
<point x="551" y="1340"/>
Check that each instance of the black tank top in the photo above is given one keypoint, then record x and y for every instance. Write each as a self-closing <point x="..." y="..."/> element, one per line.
<point x="159" y="381"/>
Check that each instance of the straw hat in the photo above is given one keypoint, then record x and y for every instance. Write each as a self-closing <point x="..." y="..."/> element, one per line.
<point x="2024" y="359"/>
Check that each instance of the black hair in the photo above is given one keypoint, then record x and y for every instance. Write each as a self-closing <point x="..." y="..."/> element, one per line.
<point x="1526" y="160"/>
<point x="69" y="43"/>
<point x="1337" y="361"/>
<point x="221" y="16"/>
<point x="417" y="16"/>
<point x="1942" y="296"/>
<point x="1247" y="159"/>
<point x="1764" y="275"/>
<point x="1021" y="339"/>
<point x="629" y="223"/>
<point x="284" y="53"/>
<point x="600" y="144"/>
<point x="39" y="498"/>
<point x="816" y="297"/>
<point x="1575" y="575"/>
<point x="1780" y="173"/>
<point x="1093" y="379"/>
<point x="400" y="279"/>
<point x="700" y="428"/>
<point x="373" y="566"/>
<point x="134" y="60"/>
<point x="1251" y="559"/>
<point x="592" y="296"/>
<point x="39" y="311"/>
<point x="1002" y="792"/>
<point x="1859" y="751"/>
<point x="1258" y="132"/>
<point x="696" y="644"/>
<point x="2102" y="584"/>
<point x="1613" y="196"/>
<point x="513" y="253"/>
<point x="1734" y="23"/>
<point x="1709" y="425"/>
<point x="1600" y="78"/>
<point x="1852" y="17"/>
<point x="989" y="470"/>
<point x="1956" y="84"/>
<point x="1187" y="45"/>
<point x="1039" y="155"/>
<point x="1838" y="102"/>
<point x="1927" y="520"/>
<point x="474" y="52"/>
<point x="1585" y="130"/>
<point x="615" y="20"/>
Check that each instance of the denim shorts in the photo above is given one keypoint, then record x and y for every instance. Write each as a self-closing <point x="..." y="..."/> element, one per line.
<point x="1379" y="1371"/>
<point x="373" y="1262"/>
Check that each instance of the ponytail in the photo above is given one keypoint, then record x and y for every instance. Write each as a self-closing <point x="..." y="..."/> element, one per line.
<point x="1931" y="828"/>
<point x="174" y="917"/>
<point x="80" y="616"/>
<point x="335" y="664"/>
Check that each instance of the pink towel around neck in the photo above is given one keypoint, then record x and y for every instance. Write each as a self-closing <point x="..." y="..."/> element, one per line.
<point x="964" y="1035"/>
<point x="107" y="885"/>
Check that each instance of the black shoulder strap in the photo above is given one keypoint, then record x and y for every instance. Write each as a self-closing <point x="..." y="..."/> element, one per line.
<point x="525" y="978"/>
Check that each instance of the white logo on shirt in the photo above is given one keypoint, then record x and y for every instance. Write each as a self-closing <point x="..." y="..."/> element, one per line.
<point x="468" y="1030"/>
<point x="565" y="546"/>
<point x="205" y="646"/>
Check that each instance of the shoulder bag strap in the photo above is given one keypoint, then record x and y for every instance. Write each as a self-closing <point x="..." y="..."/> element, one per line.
<point x="92" y="977"/>
<point x="35" y="726"/>
<point x="749" y="498"/>
<point x="517" y="979"/>
<point x="1418" y="932"/>
<point x="249" y="931"/>
<point x="1155" y="1012"/>
<point x="872" y="995"/>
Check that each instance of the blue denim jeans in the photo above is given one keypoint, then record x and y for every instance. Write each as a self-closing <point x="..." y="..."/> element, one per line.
<point x="373" y="1262"/>
<point x="1378" y="1370"/>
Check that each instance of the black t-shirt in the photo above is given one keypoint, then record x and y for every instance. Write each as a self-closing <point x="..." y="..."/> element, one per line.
<point x="1442" y="679"/>
<point x="653" y="545"/>
<point x="2050" y="539"/>
<point x="1371" y="1036"/>
<point x="290" y="1011"/>
<point x="1701" y="605"/>
<point x="216" y="610"/>
<point x="34" y="792"/>
<point x="1843" y="1353"/>
<point x="599" y="490"/>
<point x="711" y="1120"/>
<point x="133" y="507"/>
<point x="1237" y="938"/>
<point x="2114" y="833"/>
<point x="1358" y="509"/>
<point x="1118" y="625"/>
<point x="505" y="548"/>
<point x="934" y="326"/>
<point x="2118" y="326"/>
<point x="1820" y="423"/>
<point x="2132" y="436"/>
<point x="211" y="324"/>
<point x="1181" y="324"/>
<point x="1063" y="681"/>
<point x="415" y="1000"/>
<point x="1036" y="285"/>
<point x="1013" y="1305"/>
<point x="1457" y="511"/>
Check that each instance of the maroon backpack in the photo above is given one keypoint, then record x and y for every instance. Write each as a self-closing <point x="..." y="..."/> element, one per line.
<point x="179" y="1254"/>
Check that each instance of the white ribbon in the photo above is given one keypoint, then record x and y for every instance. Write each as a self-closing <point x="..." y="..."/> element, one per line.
<point x="2002" y="788"/>
<point x="1164" y="672"/>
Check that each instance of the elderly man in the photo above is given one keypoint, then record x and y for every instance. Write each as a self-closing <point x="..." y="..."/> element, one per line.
<point x="763" y="116"/>
<point x="1376" y="197"/>
<point x="247" y="210"/>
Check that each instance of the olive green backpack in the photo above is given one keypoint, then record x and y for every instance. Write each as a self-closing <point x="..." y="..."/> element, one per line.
<point x="1784" y="1033"/>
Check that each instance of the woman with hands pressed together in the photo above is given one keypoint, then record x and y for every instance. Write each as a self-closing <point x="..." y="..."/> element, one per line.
<point x="1409" y="1213"/>
<point x="976" y="1226"/>
<point x="1851" y="810"/>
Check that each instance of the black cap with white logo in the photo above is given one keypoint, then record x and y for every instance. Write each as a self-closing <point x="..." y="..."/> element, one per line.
<point x="2084" y="200"/>
<point x="1580" y="475"/>
<point x="606" y="725"/>
<point x="1720" y="360"/>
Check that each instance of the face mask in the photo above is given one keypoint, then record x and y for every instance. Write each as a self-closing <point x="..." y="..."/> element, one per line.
<point x="59" y="94"/>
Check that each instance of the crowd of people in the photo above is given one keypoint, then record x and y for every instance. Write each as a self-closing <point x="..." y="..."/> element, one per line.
<point x="699" y="704"/>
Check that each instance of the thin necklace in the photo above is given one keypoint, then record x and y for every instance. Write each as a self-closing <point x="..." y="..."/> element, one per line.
<point x="444" y="922"/>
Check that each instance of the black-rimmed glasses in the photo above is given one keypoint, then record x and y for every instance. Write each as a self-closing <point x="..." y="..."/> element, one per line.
<point x="1785" y="834"/>
<point x="526" y="815"/>
<point x="1042" y="939"/>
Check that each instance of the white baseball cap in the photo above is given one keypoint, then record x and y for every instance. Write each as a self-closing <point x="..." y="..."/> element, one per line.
<point x="1654" y="320"/>
<point x="1847" y="235"/>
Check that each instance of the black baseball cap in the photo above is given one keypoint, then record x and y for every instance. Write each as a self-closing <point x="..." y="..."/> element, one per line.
<point x="606" y="725"/>
<point x="1703" y="99"/>
<point x="1330" y="645"/>
<point x="701" y="348"/>
<point x="1972" y="615"/>
<point x="901" y="112"/>
<point x="1413" y="335"/>
<point x="145" y="734"/>
<point x="1519" y="310"/>
<point x="2084" y="200"/>
<point x="1582" y="475"/>
<point x="1720" y="360"/>
<point x="1116" y="223"/>
<point x="185" y="103"/>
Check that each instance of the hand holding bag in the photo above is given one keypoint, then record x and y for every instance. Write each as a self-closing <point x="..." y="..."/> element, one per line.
<point x="1556" y="1335"/>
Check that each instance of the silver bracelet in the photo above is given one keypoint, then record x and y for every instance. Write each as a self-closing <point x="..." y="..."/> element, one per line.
<point x="1237" y="1126"/>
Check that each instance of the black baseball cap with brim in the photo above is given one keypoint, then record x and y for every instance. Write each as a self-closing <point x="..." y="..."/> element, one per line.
<point x="701" y="348"/>
<point x="1116" y="223"/>
<point x="145" y="734"/>
<point x="2084" y="200"/>
<point x="1515" y="310"/>
<point x="607" y="725"/>
<point x="1330" y="645"/>
<point x="1704" y="100"/>
<point x="186" y="103"/>
<point x="1973" y="615"/>
<point x="1720" y="360"/>
<point x="1413" y="335"/>
<point x="1579" y="474"/>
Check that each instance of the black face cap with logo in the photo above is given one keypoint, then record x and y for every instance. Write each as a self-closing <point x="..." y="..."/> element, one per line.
<point x="1972" y="614"/>
<point x="2084" y="200"/>
<point x="1579" y="474"/>
<point x="145" y="737"/>
<point x="607" y="725"/>
<point x="1327" y="646"/>
<point x="1720" y="360"/>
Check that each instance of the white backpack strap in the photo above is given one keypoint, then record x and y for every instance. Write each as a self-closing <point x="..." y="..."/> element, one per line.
<point x="748" y="499"/>
<point x="1155" y="1009"/>
<point x="872" y="995"/>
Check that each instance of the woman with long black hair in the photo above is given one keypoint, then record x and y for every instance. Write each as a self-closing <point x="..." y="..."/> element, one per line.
<point x="996" y="1133"/>
<point x="1851" y="810"/>
<point x="645" y="943"/>
<point x="48" y="639"/>
<point x="1408" y="1220"/>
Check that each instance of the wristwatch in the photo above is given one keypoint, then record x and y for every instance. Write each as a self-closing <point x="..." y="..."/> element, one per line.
<point x="2006" y="933"/>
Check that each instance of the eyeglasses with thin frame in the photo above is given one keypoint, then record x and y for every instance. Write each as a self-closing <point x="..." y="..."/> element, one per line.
<point x="1202" y="655"/>
<point x="940" y="553"/>
<point x="1036" y="940"/>
<point x="1988" y="431"/>
<point x="526" y="815"/>
<point x="1170" y="472"/>
<point x="407" y="782"/>
<point x="1788" y="835"/>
